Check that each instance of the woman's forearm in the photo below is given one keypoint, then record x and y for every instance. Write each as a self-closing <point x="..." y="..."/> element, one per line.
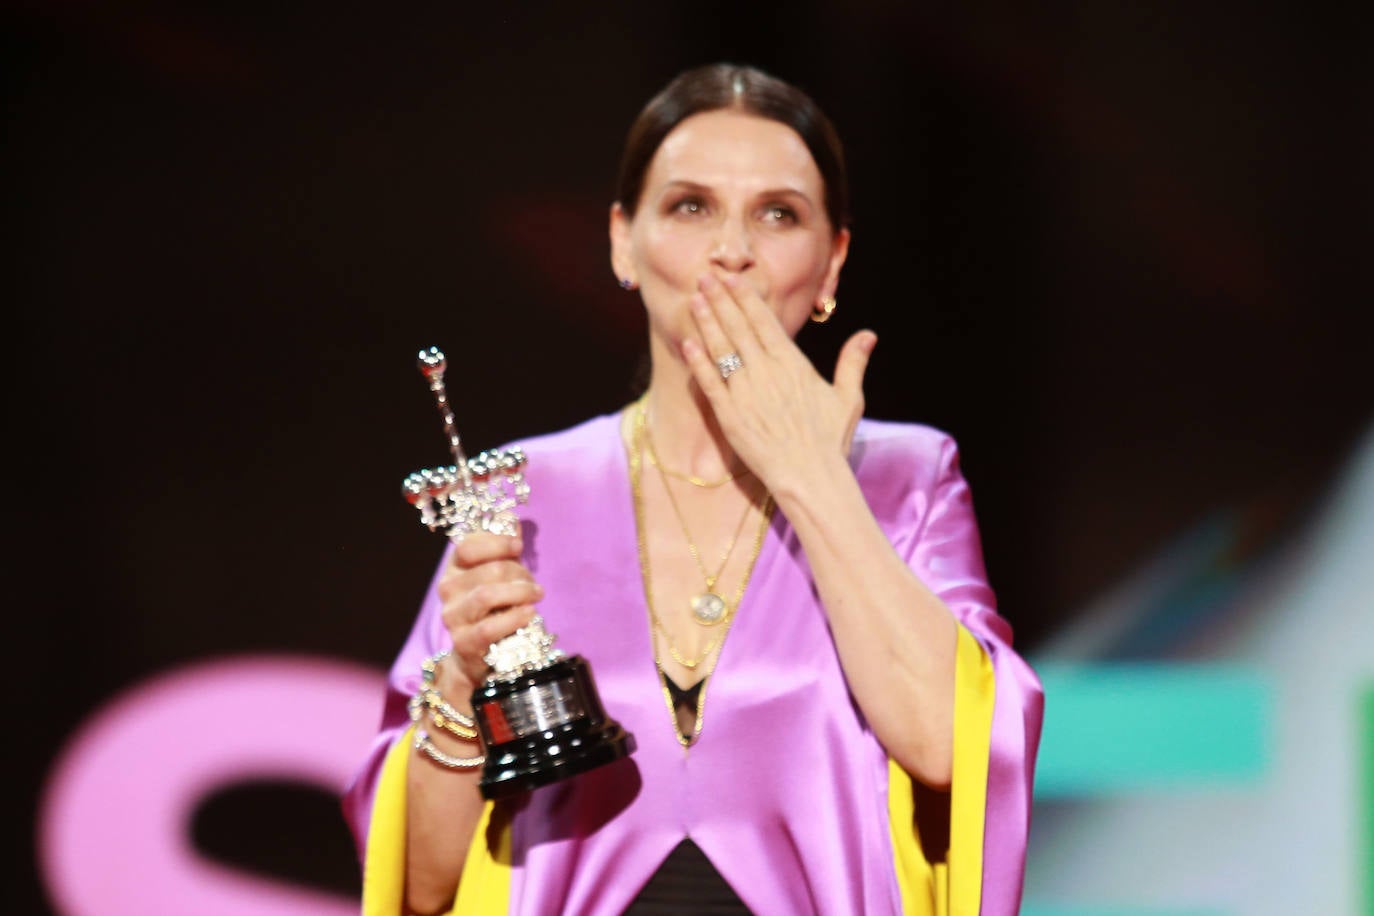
<point x="895" y="638"/>
<point x="443" y="807"/>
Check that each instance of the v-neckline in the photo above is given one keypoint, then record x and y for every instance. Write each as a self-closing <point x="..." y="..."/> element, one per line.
<point x="761" y="564"/>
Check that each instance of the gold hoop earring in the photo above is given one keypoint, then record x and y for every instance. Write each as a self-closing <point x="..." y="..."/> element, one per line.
<point x="822" y="312"/>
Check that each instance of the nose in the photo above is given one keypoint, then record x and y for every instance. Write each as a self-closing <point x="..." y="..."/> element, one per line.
<point x="733" y="250"/>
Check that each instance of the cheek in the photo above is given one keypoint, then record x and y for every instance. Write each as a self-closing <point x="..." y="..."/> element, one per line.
<point x="797" y="268"/>
<point x="673" y="254"/>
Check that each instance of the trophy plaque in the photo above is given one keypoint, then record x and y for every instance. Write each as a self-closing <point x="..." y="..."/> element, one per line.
<point x="538" y="711"/>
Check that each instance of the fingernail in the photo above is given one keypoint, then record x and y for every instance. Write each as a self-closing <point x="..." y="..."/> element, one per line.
<point x="699" y="304"/>
<point x="707" y="282"/>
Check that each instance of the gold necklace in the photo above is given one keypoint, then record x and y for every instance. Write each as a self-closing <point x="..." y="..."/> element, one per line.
<point x="708" y="607"/>
<point x="657" y="627"/>
<point x="637" y="490"/>
<point x="692" y="478"/>
<point x="672" y="708"/>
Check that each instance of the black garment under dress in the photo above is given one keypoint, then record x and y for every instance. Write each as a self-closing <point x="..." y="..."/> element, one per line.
<point x="686" y="884"/>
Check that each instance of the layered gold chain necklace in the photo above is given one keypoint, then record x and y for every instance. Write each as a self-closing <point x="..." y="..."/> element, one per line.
<point x="637" y="453"/>
<point x="708" y="607"/>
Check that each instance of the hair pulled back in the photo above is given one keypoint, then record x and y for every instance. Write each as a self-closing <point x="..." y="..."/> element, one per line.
<point x="730" y="86"/>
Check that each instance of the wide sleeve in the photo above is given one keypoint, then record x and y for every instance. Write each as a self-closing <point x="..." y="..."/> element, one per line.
<point x="427" y="637"/>
<point x="374" y="803"/>
<point x="999" y="705"/>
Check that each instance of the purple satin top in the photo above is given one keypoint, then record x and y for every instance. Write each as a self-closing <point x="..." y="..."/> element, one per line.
<point x="786" y="789"/>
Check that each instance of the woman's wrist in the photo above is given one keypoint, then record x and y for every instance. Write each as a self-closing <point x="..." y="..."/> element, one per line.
<point x="809" y="487"/>
<point x="452" y="684"/>
<point x="449" y="743"/>
<point x="446" y="732"/>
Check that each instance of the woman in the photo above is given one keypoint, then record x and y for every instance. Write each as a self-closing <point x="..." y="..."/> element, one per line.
<point x="784" y="603"/>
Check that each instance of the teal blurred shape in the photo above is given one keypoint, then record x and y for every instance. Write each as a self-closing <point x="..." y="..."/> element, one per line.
<point x="1038" y="909"/>
<point x="1125" y="728"/>
<point x="1367" y="841"/>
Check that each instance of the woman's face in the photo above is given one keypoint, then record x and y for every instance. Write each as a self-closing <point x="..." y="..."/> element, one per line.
<point x="729" y="193"/>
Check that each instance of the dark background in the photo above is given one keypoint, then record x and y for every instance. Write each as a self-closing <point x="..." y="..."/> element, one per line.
<point x="1116" y="249"/>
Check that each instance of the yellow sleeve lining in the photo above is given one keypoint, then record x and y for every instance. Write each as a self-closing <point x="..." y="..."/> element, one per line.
<point x="484" y="889"/>
<point x="953" y="887"/>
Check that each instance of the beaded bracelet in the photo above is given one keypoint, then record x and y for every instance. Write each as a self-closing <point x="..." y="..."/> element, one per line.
<point x="432" y="751"/>
<point x="430" y="666"/>
<point x="441" y="714"/>
<point x="467" y="727"/>
<point x="444" y="716"/>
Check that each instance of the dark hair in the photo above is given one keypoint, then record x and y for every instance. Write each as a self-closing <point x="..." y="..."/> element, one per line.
<point x="717" y="86"/>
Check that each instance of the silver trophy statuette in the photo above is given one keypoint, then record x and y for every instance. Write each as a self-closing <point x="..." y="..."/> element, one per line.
<point x="538" y="711"/>
<point x="478" y="494"/>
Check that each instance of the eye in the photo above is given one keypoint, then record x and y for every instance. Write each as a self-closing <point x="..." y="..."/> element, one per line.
<point x="779" y="214"/>
<point x="689" y="206"/>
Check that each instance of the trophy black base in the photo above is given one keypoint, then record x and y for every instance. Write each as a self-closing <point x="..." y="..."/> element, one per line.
<point x="544" y="726"/>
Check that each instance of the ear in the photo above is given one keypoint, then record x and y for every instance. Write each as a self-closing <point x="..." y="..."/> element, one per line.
<point x="621" y="260"/>
<point x="839" y="250"/>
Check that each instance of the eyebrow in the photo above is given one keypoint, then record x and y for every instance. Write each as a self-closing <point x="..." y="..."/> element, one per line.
<point x="685" y="184"/>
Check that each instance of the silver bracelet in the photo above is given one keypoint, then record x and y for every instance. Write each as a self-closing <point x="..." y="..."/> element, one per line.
<point x="430" y="750"/>
<point x="428" y="669"/>
<point x="439" y="705"/>
<point x="441" y="714"/>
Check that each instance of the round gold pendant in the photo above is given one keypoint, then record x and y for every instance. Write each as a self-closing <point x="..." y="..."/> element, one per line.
<point x="708" y="609"/>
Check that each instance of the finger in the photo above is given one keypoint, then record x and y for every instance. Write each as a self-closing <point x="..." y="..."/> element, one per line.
<point x="483" y="547"/>
<point x="726" y="309"/>
<point x="470" y="643"/>
<point x="706" y="373"/>
<point x="852" y="363"/>
<point x="497" y="571"/>
<point x="503" y="623"/>
<point x="712" y="334"/>
<point x="480" y="600"/>
<point x="763" y="322"/>
<point x="456" y="580"/>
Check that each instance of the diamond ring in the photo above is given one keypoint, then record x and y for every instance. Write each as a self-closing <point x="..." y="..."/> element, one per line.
<point x="729" y="364"/>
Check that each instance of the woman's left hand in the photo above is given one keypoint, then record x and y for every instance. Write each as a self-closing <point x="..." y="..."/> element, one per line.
<point x="776" y="410"/>
<point x="793" y="429"/>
